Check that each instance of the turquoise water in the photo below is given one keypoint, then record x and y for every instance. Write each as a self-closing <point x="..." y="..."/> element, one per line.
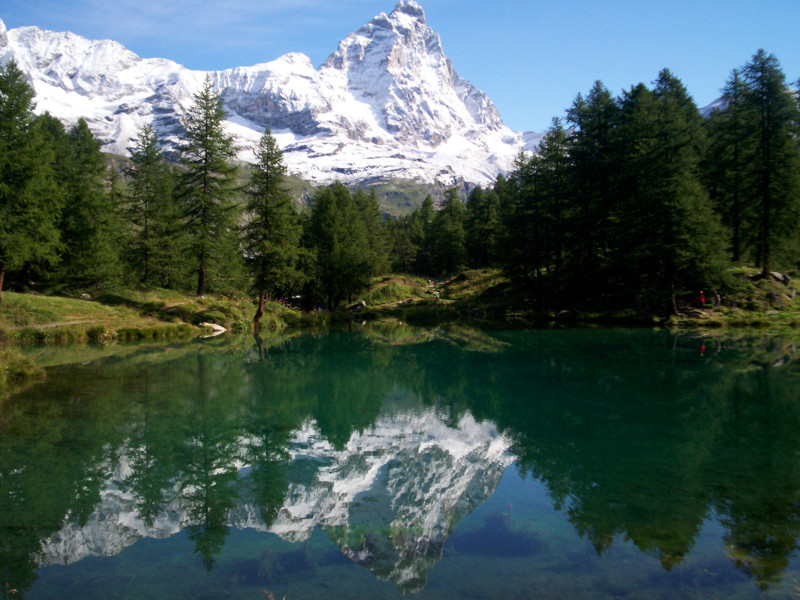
<point x="381" y="463"/>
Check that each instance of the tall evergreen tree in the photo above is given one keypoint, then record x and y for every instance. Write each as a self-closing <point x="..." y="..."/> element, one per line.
<point x="482" y="227"/>
<point x="369" y="209"/>
<point x="593" y="120"/>
<point x="667" y="237"/>
<point x="272" y="229"/>
<point x="552" y="174"/>
<point x="337" y="237"/>
<point x="153" y="212"/>
<point x="90" y="227"/>
<point x="776" y="162"/>
<point x="30" y="202"/>
<point x="209" y="187"/>
<point x="729" y="162"/>
<point x="445" y="242"/>
<point x="523" y="257"/>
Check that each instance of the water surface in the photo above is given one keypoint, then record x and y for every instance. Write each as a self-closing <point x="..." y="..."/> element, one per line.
<point x="549" y="464"/>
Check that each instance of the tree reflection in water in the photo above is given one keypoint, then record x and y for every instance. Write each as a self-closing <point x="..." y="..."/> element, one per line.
<point x="635" y="434"/>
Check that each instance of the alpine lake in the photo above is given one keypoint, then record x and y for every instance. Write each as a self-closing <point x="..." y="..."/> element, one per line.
<point x="388" y="461"/>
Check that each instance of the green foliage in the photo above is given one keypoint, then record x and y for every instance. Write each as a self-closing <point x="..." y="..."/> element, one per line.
<point x="482" y="227"/>
<point x="628" y="204"/>
<point x="336" y="235"/>
<point x="30" y="201"/>
<point x="666" y="235"/>
<point x="154" y="216"/>
<point x="90" y="229"/>
<point x="376" y="230"/>
<point x="534" y="221"/>
<point x="271" y="232"/>
<point x="209" y="189"/>
<point x="775" y="118"/>
<point x="445" y="239"/>
<point x="16" y="368"/>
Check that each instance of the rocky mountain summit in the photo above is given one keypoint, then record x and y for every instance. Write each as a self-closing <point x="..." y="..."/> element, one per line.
<point x="386" y="104"/>
<point x="389" y="498"/>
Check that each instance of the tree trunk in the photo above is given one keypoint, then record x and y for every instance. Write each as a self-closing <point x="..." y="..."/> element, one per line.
<point x="201" y="281"/>
<point x="259" y="312"/>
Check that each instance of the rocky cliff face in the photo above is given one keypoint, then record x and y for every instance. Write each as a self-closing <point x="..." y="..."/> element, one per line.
<point x="387" y="103"/>
<point x="389" y="499"/>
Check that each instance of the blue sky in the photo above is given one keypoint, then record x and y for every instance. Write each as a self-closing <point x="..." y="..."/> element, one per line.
<point x="531" y="56"/>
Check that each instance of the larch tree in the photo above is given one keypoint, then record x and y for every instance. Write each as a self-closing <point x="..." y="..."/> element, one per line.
<point x="729" y="162"/>
<point x="336" y="236"/>
<point x="272" y="229"/>
<point x="209" y="186"/>
<point x="667" y="237"/>
<point x="90" y="226"/>
<point x="446" y="239"/>
<point x="152" y="211"/>
<point x="30" y="202"/>
<point x="776" y="161"/>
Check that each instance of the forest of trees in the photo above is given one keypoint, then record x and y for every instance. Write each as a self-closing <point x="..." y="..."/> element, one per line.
<point x="630" y="202"/>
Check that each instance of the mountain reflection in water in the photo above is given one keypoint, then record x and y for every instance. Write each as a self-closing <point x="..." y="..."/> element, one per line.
<point x="638" y="438"/>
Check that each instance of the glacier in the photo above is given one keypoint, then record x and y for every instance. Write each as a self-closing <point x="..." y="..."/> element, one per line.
<point x="386" y="104"/>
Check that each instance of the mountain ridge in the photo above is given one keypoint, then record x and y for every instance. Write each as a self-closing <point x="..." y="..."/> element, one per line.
<point x="386" y="104"/>
<point x="389" y="499"/>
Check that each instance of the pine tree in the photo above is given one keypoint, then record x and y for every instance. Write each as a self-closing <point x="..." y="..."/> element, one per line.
<point x="729" y="162"/>
<point x="776" y="162"/>
<point x="272" y="229"/>
<point x="370" y="211"/>
<point x="445" y="242"/>
<point x="91" y="226"/>
<point x="30" y="202"/>
<point x="593" y="155"/>
<point x="153" y="212"/>
<point x="337" y="237"/>
<point x="209" y="187"/>
<point x="667" y="237"/>
<point x="482" y="227"/>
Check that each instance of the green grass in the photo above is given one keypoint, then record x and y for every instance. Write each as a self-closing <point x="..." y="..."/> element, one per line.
<point x="400" y="288"/>
<point x="16" y="369"/>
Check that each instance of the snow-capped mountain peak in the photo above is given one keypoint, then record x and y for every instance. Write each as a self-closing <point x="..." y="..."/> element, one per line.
<point x="386" y="104"/>
<point x="404" y="483"/>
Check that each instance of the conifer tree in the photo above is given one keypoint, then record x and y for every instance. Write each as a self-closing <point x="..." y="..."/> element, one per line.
<point x="90" y="227"/>
<point x="552" y="188"/>
<point x="776" y="161"/>
<point x="729" y="162"/>
<point x="369" y="209"/>
<point x="209" y="187"/>
<point x="272" y="229"/>
<point x="667" y="238"/>
<point x="153" y="211"/>
<point x="337" y="237"/>
<point x="422" y="228"/>
<point x="592" y="155"/>
<point x="446" y="238"/>
<point x="482" y="227"/>
<point x="522" y="255"/>
<point x="30" y="202"/>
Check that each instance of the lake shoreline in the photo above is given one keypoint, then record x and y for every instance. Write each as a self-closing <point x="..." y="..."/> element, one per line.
<point x="478" y="300"/>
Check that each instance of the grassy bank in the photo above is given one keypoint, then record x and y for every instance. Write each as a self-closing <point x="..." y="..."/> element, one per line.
<point x="478" y="299"/>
